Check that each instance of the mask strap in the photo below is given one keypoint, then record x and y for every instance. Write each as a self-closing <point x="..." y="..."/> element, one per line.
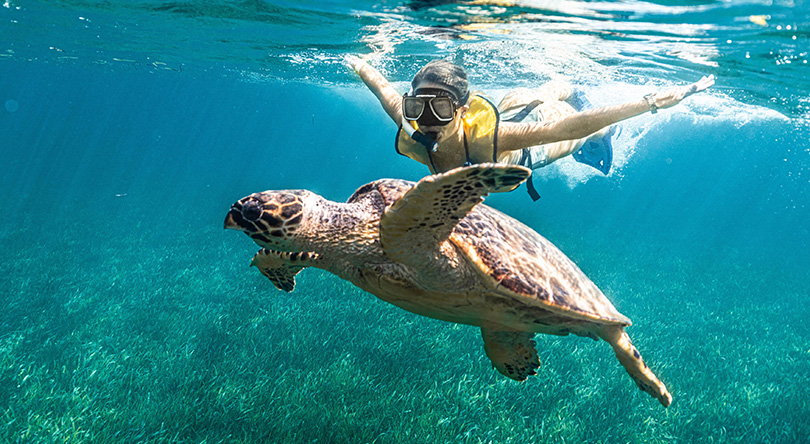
<point x="463" y="101"/>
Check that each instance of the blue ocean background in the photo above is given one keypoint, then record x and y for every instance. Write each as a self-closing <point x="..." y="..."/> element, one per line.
<point x="127" y="314"/>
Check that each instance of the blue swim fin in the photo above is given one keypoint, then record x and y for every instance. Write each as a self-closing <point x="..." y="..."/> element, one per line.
<point x="596" y="153"/>
<point x="579" y="101"/>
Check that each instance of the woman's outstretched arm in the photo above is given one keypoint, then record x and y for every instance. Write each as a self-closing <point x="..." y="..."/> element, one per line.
<point x="389" y="97"/>
<point x="516" y="136"/>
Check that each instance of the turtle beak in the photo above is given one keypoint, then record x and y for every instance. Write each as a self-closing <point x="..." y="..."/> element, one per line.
<point x="233" y="218"/>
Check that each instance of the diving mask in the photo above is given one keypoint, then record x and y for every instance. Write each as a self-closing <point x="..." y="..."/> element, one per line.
<point x="433" y="108"/>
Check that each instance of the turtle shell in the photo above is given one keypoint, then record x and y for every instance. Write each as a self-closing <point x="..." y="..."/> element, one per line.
<point x="510" y="257"/>
<point x="516" y="260"/>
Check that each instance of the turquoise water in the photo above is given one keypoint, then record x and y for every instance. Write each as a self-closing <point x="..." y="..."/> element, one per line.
<point x="128" y="315"/>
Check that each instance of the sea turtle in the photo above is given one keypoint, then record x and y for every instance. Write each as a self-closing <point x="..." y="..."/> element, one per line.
<point x="433" y="249"/>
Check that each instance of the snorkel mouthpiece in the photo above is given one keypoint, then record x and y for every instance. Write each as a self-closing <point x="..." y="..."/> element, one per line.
<point x="422" y="138"/>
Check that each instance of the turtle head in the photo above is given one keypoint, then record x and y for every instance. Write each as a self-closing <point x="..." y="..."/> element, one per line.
<point x="270" y="218"/>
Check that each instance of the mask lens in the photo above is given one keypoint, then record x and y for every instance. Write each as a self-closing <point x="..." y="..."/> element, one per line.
<point x="442" y="108"/>
<point x="412" y="107"/>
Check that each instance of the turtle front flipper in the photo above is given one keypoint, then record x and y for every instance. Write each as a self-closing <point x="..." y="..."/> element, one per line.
<point x="425" y="215"/>
<point x="512" y="352"/>
<point x="281" y="267"/>
<point x="631" y="360"/>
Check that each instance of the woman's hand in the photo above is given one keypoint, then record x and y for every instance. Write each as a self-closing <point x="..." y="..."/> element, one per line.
<point x="672" y="97"/>
<point x="358" y="62"/>
<point x="354" y="62"/>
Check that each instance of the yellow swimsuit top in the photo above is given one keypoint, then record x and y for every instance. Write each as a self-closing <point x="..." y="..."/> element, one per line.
<point x="480" y="136"/>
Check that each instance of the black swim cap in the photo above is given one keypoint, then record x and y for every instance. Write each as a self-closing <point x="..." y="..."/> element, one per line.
<point x="445" y="75"/>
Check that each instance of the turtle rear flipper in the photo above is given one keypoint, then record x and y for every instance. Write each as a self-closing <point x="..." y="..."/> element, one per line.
<point x="281" y="267"/>
<point x="512" y="352"/>
<point x="631" y="360"/>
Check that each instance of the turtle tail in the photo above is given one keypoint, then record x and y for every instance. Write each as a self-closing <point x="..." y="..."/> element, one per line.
<point x="631" y="360"/>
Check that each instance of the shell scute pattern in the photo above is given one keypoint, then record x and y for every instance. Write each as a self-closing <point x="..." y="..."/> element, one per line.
<point x="382" y="193"/>
<point x="525" y="263"/>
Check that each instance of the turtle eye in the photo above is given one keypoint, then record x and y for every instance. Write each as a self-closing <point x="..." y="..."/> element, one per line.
<point x="251" y="210"/>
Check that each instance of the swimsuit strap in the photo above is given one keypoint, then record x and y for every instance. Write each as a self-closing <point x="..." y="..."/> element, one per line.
<point x="524" y="112"/>
<point x="466" y="155"/>
<point x="526" y="156"/>
<point x="430" y="158"/>
<point x="466" y="150"/>
<point x="526" y="160"/>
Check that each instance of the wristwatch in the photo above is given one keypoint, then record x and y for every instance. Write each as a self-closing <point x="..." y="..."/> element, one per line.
<point x="650" y="98"/>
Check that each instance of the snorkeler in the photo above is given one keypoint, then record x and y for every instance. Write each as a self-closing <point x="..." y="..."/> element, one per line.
<point x="444" y="126"/>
